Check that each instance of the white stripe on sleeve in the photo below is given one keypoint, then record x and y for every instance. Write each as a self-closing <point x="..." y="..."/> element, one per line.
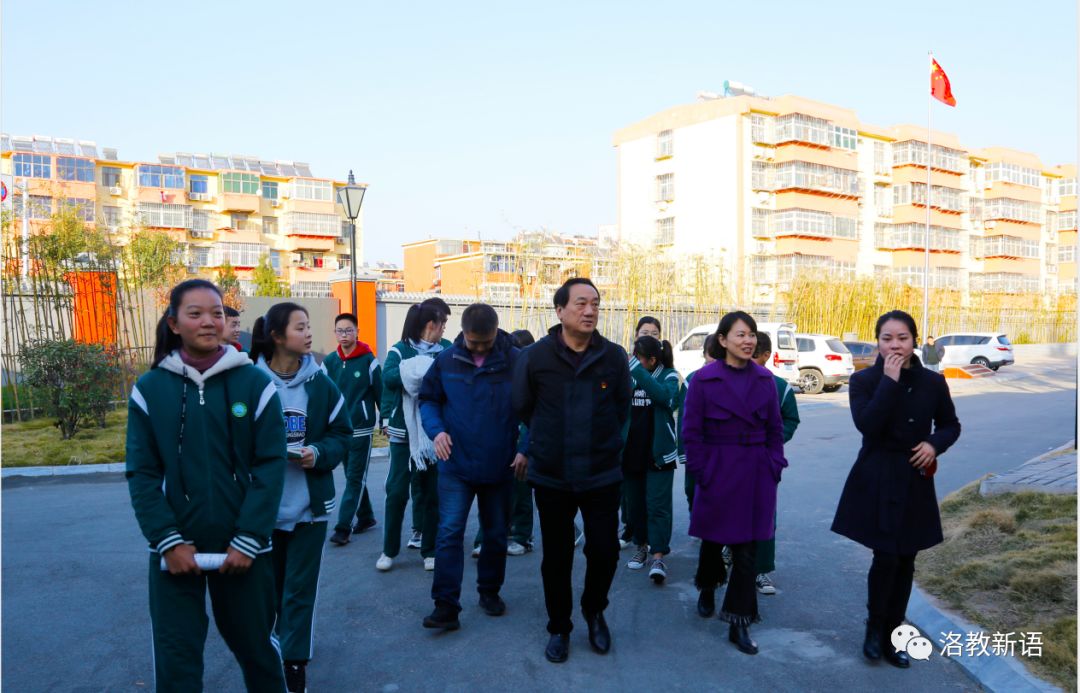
<point x="264" y="399"/>
<point x="138" y="399"/>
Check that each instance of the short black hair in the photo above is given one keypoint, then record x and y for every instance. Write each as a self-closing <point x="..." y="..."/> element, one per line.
<point x="438" y="304"/>
<point x="764" y="344"/>
<point x="479" y="318"/>
<point x="231" y="312"/>
<point x="726" y="323"/>
<point x="522" y="338"/>
<point x="562" y="296"/>
<point x="347" y="316"/>
<point x="900" y="316"/>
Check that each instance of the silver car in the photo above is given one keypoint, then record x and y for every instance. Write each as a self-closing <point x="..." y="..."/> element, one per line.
<point x="990" y="349"/>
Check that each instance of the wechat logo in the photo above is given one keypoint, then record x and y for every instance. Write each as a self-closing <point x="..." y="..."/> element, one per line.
<point x="906" y="638"/>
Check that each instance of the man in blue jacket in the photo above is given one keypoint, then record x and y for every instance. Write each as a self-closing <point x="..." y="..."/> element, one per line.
<point x="466" y="411"/>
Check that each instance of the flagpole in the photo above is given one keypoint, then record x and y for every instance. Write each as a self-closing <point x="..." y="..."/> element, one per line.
<point x="929" y="157"/>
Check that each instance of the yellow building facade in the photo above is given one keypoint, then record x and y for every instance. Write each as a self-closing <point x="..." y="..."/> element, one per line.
<point x="219" y="208"/>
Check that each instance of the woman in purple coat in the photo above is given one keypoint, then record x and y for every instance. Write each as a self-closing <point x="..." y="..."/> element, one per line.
<point x="734" y="440"/>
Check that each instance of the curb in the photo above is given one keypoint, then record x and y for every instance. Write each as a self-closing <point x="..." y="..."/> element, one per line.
<point x="994" y="673"/>
<point x="109" y="468"/>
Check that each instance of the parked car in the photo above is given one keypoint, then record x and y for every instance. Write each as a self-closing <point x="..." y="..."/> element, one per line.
<point x="990" y="349"/>
<point x="688" y="356"/>
<point x="824" y="363"/>
<point x="863" y="354"/>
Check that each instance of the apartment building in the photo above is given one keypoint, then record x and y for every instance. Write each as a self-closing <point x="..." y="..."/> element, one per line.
<point x="219" y="208"/>
<point x="773" y="188"/>
<point x="531" y="265"/>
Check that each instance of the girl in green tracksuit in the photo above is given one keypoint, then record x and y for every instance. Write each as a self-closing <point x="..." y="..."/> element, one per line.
<point x="205" y="467"/>
<point x="421" y="338"/>
<point x="317" y="431"/>
<point x="651" y="453"/>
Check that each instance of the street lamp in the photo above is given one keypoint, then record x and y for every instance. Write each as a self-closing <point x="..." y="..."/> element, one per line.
<point x="351" y="197"/>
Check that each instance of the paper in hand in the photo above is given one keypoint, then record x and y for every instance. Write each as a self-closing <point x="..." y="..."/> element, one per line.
<point x="205" y="561"/>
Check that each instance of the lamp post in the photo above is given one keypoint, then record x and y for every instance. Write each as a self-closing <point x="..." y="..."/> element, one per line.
<point x="350" y="198"/>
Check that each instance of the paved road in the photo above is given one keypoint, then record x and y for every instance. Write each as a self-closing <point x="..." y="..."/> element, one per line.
<point x="75" y="613"/>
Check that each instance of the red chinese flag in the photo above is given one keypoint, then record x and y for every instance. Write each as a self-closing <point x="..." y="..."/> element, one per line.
<point x="940" y="88"/>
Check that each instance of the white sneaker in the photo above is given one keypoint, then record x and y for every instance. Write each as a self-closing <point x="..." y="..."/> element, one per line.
<point x="429" y="563"/>
<point x="641" y="556"/>
<point x="765" y="584"/>
<point x="515" y="549"/>
<point x="476" y="552"/>
<point x="414" y="542"/>
<point x="384" y="563"/>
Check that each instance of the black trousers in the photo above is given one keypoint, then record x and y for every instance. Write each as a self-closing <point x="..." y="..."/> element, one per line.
<point x="600" y="512"/>
<point x="740" y="599"/>
<point x="888" y="587"/>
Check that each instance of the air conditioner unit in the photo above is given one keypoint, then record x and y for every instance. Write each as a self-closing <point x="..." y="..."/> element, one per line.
<point x="116" y="190"/>
<point x="204" y="197"/>
<point x="275" y="203"/>
<point x="193" y="269"/>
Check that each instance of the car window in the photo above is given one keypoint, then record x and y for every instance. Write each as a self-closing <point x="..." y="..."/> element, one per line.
<point x="785" y="340"/>
<point x="695" y="342"/>
<point x="805" y="344"/>
<point x="854" y="347"/>
<point x="962" y="340"/>
<point x="1002" y="339"/>
<point x="837" y="346"/>
<point x="982" y="340"/>
<point x="944" y="341"/>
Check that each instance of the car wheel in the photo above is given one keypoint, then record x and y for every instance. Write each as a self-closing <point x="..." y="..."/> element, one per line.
<point x="830" y="388"/>
<point x="811" y="381"/>
<point x="980" y="361"/>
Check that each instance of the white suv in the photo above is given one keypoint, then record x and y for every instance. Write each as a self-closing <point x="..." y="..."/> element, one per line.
<point x="688" y="357"/>
<point x="824" y="363"/>
<point x="990" y="349"/>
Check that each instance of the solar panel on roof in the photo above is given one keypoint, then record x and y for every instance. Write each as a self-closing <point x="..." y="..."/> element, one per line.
<point x="202" y="161"/>
<point x="185" y="160"/>
<point x="88" y="149"/>
<point x="43" y="145"/>
<point x="167" y="159"/>
<point x="303" y="170"/>
<point x="220" y="161"/>
<point x="268" y="168"/>
<point x="65" y="146"/>
<point x="22" y="144"/>
<point x="5" y="143"/>
<point x="109" y="153"/>
<point x="287" y="169"/>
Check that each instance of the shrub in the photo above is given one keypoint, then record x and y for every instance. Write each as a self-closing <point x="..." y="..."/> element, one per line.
<point x="78" y="380"/>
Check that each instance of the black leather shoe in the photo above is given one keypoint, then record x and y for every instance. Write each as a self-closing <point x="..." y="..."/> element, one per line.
<point x="492" y="604"/>
<point x="558" y="648"/>
<point x="740" y="635"/>
<point x="871" y="647"/>
<point x="706" y="603"/>
<point x="897" y="659"/>
<point x="599" y="635"/>
<point x="443" y="617"/>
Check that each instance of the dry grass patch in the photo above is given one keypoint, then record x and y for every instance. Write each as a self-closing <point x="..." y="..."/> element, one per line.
<point x="1008" y="564"/>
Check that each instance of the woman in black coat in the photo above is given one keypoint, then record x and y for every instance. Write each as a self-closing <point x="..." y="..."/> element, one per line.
<point x="889" y="505"/>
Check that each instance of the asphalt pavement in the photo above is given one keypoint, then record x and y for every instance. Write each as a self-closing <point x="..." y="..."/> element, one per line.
<point x="75" y="614"/>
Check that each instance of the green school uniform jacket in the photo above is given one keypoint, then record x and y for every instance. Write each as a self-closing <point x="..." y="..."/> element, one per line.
<point x="359" y="377"/>
<point x="218" y="484"/>
<point x="663" y="387"/>
<point x="326" y="429"/>
<point x="390" y="406"/>
<point x="789" y="409"/>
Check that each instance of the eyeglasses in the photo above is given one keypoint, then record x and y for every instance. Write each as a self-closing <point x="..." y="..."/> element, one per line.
<point x="346" y="332"/>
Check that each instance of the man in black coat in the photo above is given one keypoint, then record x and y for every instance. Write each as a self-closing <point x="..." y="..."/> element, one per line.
<point x="572" y="389"/>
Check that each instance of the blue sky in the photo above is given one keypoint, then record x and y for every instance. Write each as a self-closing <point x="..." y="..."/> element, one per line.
<point x="477" y="118"/>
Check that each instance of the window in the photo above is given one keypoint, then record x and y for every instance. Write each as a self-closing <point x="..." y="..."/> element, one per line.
<point x="941" y="197"/>
<point x="1067" y="253"/>
<point x="695" y="342"/>
<point x="154" y="176"/>
<point x="762" y="129"/>
<point x="914" y="153"/>
<point x="242" y="183"/>
<point x="806" y="176"/>
<point x="1012" y="173"/>
<point x="110" y="176"/>
<point x="1066" y="221"/>
<point x="805" y="344"/>
<point x="166" y="216"/>
<point x="270" y="225"/>
<point x="32" y="165"/>
<point x="311" y="224"/>
<point x="199" y="184"/>
<point x="269" y="190"/>
<point x="1004" y="282"/>
<point x="344" y="259"/>
<point x="307" y="189"/>
<point x="311" y="289"/>
<point x="200" y="220"/>
<point x="797" y="127"/>
<point x="83" y="207"/>
<point x="881" y="158"/>
<point x="1014" y="210"/>
<point x="239" y="254"/>
<point x="71" y="168"/>
<point x="844" y="138"/>
<point x="837" y="346"/>
<point x="940" y="277"/>
<point x="665" y="187"/>
<point x="1004" y="246"/>
<point x="238" y="221"/>
<point x="499" y="263"/>
<point x="199" y="256"/>
<point x="803" y="222"/>
<point x="664" y="146"/>
<point x="883" y="200"/>
<point x="111" y="216"/>
<point x="1066" y="187"/>
<point x="665" y="231"/>
<point x="40" y="207"/>
<point x="911" y="235"/>
<point x="275" y="260"/>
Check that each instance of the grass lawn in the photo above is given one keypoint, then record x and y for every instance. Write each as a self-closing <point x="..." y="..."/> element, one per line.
<point x="1008" y="564"/>
<point x="37" y="443"/>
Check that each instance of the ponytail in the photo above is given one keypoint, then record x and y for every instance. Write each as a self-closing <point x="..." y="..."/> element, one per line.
<point x="652" y="348"/>
<point x="165" y="340"/>
<point x="275" y="322"/>
<point x="419" y="315"/>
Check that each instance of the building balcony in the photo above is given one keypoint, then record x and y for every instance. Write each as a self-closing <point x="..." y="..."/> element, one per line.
<point x="239" y="202"/>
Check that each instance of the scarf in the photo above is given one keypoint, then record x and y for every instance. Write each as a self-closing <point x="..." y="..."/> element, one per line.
<point x="421" y="449"/>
